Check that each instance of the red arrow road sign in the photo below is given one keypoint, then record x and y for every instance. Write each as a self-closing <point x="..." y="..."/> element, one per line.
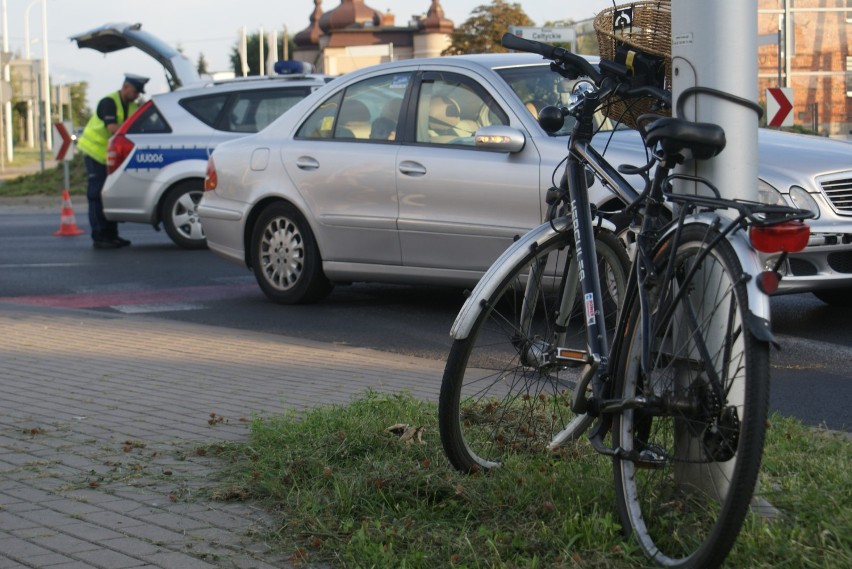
<point x="61" y="132"/>
<point x="779" y="103"/>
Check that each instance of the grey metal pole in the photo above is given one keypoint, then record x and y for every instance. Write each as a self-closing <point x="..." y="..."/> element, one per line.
<point x="715" y="45"/>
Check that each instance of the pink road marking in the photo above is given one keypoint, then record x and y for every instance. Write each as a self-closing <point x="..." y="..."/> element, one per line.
<point x="125" y="297"/>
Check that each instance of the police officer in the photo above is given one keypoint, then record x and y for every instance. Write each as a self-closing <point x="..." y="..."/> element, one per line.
<point x="111" y="112"/>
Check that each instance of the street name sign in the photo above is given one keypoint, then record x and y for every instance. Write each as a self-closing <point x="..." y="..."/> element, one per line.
<point x="547" y="35"/>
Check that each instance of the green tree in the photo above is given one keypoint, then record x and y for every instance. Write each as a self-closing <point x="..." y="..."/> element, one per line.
<point x="481" y="32"/>
<point x="201" y="66"/>
<point x="80" y="113"/>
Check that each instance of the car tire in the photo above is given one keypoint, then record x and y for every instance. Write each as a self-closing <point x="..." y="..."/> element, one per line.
<point x="835" y="296"/>
<point x="285" y="258"/>
<point x="180" y="215"/>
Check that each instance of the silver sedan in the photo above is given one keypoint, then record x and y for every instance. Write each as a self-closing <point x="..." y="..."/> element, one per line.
<point x="376" y="177"/>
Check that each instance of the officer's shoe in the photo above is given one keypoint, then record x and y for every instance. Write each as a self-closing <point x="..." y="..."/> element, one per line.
<point x="121" y="242"/>
<point x="106" y="244"/>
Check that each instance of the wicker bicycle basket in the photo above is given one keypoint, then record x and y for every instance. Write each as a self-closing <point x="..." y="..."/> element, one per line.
<point x="644" y="27"/>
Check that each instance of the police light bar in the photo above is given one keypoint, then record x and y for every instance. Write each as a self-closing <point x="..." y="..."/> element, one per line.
<point x="291" y="67"/>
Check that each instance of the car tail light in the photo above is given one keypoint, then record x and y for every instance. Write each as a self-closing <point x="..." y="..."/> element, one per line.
<point x="118" y="150"/>
<point x="210" y="179"/>
<point x="787" y="237"/>
<point x="120" y="147"/>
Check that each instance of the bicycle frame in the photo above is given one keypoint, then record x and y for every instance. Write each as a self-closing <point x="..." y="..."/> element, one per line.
<point x="581" y="223"/>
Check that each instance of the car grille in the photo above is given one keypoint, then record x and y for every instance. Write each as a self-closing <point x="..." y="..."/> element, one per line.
<point x="838" y="190"/>
<point x="841" y="262"/>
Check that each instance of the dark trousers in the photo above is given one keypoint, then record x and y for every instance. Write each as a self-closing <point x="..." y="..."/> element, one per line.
<point x="102" y="228"/>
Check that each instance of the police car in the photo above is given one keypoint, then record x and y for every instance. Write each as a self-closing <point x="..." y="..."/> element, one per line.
<point x="157" y="159"/>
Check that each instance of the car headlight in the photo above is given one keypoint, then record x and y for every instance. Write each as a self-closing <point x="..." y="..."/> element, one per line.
<point x="768" y="195"/>
<point x="803" y="200"/>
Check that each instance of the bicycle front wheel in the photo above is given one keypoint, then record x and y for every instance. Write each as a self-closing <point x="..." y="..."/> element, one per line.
<point x="695" y="445"/>
<point x="503" y="391"/>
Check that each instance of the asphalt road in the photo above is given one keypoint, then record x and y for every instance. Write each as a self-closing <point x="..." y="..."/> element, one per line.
<point x="155" y="278"/>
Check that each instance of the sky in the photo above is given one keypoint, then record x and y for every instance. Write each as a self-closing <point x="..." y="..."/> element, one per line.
<point x="210" y="27"/>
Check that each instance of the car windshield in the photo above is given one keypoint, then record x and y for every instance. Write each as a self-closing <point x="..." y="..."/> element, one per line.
<point x="537" y="87"/>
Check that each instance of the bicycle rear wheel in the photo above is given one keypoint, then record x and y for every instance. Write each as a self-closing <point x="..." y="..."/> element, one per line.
<point x="503" y="392"/>
<point x="696" y="446"/>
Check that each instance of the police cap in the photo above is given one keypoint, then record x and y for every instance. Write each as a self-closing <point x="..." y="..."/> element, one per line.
<point x="137" y="81"/>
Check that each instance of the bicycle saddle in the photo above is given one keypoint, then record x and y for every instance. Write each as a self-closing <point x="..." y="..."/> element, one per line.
<point x="704" y="140"/>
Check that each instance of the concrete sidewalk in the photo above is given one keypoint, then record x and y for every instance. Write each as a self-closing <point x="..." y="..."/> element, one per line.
<point x="101" y="416"/>
<point x="9" y="172"/>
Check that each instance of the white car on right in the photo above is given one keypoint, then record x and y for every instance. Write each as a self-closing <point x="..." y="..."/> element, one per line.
<point x="813" y="173"/>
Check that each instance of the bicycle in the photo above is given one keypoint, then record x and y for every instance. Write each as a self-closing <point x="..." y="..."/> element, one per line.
<point x="680" y="400"/>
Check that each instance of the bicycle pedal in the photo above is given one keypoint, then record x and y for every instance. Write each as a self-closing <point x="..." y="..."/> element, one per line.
<point x="571" y="357"/>
<point x="650" y="460"/>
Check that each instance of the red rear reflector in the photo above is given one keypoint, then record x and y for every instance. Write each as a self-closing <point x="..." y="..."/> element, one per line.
<point x="210" y="179"/>
<point x="787" y="237"/>
<point x="767" y="281"/>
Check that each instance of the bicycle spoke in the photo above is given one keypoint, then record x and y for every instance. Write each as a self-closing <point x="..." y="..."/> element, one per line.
<point x="504" y="392"/>
<point x="694" y="459"/>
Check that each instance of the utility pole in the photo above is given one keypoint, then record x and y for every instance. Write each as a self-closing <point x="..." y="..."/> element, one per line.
<point x="45" y="82"/>
<point x="7" y="103"/>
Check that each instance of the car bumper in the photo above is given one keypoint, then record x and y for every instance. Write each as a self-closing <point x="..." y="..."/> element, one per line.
<point x="818" y="267"/>
<point x="224" y="223"/>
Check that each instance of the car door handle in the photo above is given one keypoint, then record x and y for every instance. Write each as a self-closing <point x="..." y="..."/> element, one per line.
<point x="306" y="163"/>
<point x="410" y="168"/>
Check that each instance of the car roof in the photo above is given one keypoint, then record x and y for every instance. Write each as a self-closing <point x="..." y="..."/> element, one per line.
<point x="255" y="82"/>
<point x="481" y="60"/>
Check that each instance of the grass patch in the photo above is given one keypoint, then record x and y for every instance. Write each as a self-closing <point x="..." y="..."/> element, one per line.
<point x="348" y="492"/>
<point x="51" y="182"/>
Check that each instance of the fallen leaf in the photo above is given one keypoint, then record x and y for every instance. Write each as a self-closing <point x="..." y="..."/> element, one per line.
<point x="398" y="428"/>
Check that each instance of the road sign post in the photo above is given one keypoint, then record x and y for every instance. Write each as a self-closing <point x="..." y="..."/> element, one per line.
<point x="64" y="150"/>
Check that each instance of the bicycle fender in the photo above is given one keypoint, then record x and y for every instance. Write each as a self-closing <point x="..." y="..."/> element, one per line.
<point x="758" y="301"/>
<point x="504" y="264"/>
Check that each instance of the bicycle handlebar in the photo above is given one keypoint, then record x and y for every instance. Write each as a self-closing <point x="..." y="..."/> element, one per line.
<point x="580" y="66"/>
<point x="557" y="54"/>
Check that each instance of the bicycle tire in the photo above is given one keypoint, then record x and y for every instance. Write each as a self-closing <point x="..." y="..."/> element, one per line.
<point x="496" y="398"/>
<point x="685" y="491"/>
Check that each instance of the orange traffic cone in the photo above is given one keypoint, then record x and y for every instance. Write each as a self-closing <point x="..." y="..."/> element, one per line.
<point x="67" y="222"/>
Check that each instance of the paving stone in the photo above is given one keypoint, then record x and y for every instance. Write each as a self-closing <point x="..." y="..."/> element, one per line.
<point x="65" y="543"/>
<point x="109" y="559"/>
<point x="72" y="488"/>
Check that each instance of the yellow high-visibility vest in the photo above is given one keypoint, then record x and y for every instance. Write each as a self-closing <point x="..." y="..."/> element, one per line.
<point x="95" y="137"/>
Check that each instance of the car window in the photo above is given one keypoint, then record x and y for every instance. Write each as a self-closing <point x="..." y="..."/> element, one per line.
<point x="537" y="86"/>
<point x="150" y="121"/>
<point x="252" y="111"/>
<point x="205" y="108"/>
<point x="367" y="110"/>
<point x="450" y="109"/>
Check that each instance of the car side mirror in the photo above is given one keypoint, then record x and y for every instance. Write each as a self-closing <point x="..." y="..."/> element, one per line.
<point x="499" y="138"/>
